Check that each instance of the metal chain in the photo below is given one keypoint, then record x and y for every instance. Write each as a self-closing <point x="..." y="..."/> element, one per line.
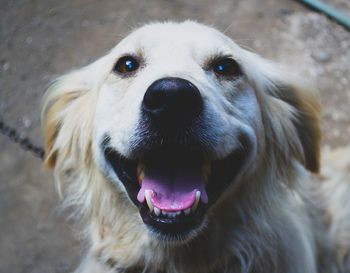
<point x="24" y="142"/>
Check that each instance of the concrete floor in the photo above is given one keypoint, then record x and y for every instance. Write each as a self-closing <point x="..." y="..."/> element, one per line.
<point x="40" y="40"/>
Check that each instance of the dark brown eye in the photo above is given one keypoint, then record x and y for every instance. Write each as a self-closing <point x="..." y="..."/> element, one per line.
<point x="126" y="64"/>
<point x="226" y="67"/>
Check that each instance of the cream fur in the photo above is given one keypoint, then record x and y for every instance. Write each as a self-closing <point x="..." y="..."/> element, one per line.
<point x="271" y="220"/>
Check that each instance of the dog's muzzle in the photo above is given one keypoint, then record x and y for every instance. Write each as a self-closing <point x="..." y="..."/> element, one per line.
<point x="171" y="174"/>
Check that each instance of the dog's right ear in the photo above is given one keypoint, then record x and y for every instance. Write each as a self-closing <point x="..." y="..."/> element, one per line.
<point x="67" y="114"/>
<point x="59" y="98"/>
<point x="51" y="126"/>
<point x="55" y="102"/>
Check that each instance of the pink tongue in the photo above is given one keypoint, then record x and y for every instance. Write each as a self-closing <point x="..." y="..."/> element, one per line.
<point x="174" y="184"/>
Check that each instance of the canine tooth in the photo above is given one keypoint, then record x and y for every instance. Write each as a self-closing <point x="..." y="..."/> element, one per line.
<point x="148" y="199"/>
<point x="156" y="211"/>
<point x="187" y="211"/>
<point x="195" y="205"/>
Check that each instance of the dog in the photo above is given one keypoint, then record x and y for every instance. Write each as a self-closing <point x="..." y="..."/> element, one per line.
<point x="179" y="151"/>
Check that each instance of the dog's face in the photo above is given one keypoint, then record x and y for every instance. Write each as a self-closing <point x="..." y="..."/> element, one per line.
<point x="178" y="117"/>
<point x="176" y="123"/>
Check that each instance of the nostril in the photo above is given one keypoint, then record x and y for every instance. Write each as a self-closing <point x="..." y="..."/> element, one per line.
<point x="154" y="100"/>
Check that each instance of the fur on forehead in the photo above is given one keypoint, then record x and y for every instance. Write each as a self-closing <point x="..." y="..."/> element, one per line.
<point x="203" y="40"/>
<point x="186" y="37"/>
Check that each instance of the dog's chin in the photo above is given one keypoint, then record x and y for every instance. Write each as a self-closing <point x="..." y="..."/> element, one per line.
<point x="173" y="187"/>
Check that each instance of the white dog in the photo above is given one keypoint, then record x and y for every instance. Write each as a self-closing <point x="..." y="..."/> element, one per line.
<point x="182" y="152"/>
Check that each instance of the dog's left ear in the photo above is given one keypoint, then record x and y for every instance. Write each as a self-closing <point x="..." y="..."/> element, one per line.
<point x="290" y="108"/>
<point x="306" y="111"/>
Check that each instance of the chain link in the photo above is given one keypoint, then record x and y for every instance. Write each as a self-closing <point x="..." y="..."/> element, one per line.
<point x="24" y="142"/>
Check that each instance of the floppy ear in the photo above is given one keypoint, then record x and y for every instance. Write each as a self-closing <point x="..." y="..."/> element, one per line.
<point x="290" y="110"/>
<point x="52" y="119"/>
<point x="291" y="116"/>
<point x="306" y="120"/>
<point x="67" y="116"/>
<point x="68" y="111"/>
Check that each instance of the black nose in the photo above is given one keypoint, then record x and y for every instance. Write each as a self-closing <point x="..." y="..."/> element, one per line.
<point x="172" y="102"/>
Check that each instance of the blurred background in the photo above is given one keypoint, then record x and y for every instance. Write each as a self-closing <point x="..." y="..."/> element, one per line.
<point x="40" y="40"/>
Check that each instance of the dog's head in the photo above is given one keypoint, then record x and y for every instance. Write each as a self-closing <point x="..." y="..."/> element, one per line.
<point x="174" y="116"/>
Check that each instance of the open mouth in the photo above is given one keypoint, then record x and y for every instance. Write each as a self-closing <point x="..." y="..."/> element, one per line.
<point x="173" y="187"/>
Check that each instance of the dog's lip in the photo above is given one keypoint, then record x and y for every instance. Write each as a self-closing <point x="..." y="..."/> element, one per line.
<point x="222" y="174"/>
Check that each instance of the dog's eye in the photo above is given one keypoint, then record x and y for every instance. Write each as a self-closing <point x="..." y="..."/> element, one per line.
<point x="226" y="67"/>
<point x="126" y="64"/>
